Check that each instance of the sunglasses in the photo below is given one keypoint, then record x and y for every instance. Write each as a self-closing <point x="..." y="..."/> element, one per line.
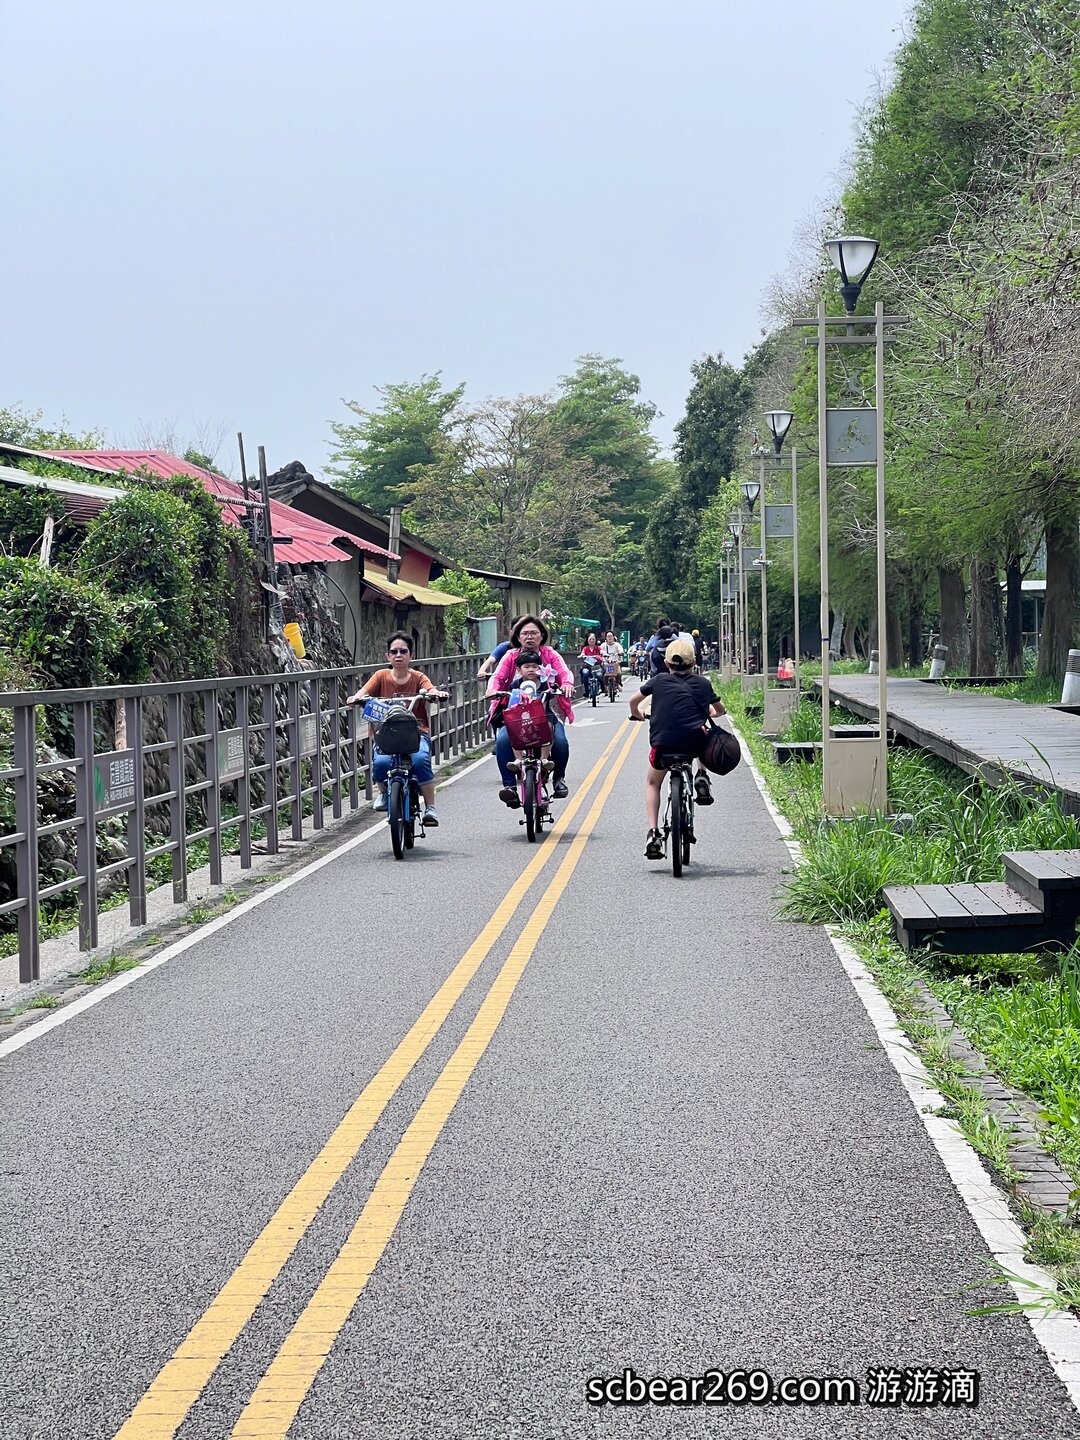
<point x="397" y="652"/>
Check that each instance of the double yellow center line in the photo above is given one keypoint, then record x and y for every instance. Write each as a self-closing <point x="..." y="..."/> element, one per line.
<point x="280" y="1393"/>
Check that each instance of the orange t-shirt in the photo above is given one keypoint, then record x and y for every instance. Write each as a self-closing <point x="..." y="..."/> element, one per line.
<point x="383" y="686"/>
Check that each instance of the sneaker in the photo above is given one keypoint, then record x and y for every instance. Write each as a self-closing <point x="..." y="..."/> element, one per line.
<point x="379" y="803"/>
<point x="510" y="797"/>
<point x="703" y="790"/>
<point x="431" y="815"/>
<point x="654" y="846"/>
<point x="559" y="790"/>
<point x="514" y="766"/>
<point x="547" y="766"/>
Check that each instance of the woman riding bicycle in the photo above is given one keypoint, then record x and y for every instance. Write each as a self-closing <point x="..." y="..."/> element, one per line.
<point x="531" y="634"/>
<point x="612" y="653"/>
<point x="398" y="682"/>
<point x="681" y="705"/>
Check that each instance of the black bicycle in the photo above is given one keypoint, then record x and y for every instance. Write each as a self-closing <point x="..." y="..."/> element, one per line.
<point x="591" y="679"/>
<point x="679" y="813"/>
<point x="398" y="735"/>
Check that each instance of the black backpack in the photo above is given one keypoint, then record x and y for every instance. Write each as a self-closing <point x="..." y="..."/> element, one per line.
<point x="722" y="751"/>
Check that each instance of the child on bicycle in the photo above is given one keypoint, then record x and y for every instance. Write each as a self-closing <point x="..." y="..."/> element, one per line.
<point x="532" y="683"/>
<point x="681" y="705"/>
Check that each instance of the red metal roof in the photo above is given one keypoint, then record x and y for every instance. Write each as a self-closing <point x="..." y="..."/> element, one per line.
<point x="312" y="540"/>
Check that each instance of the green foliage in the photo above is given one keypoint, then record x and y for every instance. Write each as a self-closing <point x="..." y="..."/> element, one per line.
<point x="920" y="150"/>
<point x="66" y="629"/>
<point x="23" y="512"/>
<point x="478" y="595"/>
<point x="20" y="427"/>
<point x="505" y="493"/>
<point x="707" y="435"/>
<point x="603" y="421"/>
<point x="375" y="457"/>
<point x="161" y="551"/>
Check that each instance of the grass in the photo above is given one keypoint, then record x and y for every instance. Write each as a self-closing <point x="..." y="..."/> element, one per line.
<point x="1032" y="690"/>
<point x="106" y="969"/>
<point x="1023" y="1017"/>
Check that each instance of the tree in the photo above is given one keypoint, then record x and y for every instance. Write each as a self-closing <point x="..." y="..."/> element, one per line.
<point x="612" y="580"/>
<point x="707" y="435"/>
<point x="21" y="427"/>
<point x="504" y="492"/>
<point x="602" y="420"/>
<point x="477" y="595"/>
<point x="375" y="457"/>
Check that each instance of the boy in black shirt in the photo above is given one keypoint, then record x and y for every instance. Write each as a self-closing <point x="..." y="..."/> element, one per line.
<point x="681" y="704"/>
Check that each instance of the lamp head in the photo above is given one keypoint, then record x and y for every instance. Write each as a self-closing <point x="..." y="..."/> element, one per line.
<point x="779" y="424"/>
<point x="853" y="256"/>
<point x="735" y="526"/>
<point x="751" y="489"/>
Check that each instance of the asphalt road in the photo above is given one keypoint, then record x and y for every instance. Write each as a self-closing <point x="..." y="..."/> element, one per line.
<point x="670" y="1141"/>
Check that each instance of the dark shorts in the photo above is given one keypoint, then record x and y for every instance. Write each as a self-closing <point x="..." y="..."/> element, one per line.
<point x="689" y="745"/>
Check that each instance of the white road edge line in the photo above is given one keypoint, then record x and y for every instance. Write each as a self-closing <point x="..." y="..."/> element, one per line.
<point x="110" y="987"/>
<point x="1057" y="1331"/>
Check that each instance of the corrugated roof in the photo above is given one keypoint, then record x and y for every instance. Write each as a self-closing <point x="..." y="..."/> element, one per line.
<point x="82" y="501"/>
<point x="312" y="540"/>
<point x="417" y="594"/>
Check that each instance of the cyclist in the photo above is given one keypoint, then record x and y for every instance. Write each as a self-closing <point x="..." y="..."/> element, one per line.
<point x="681" y="704"/>
<point x="612" y="653"/>
<point x="699" y="649"/>
<point x="531" y="634"/>
<point x="664" y="636"/>
<point x="589" y="651"/>
<point x="530" y="671"/>
<point x="397" y="681"/>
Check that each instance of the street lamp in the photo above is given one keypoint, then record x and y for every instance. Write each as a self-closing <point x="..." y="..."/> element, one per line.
<point x="751" y="489"/>
<point x="778" y="702"/>
<point x="736" y="526"/>
<point x="779" y="424"/>
<point x="855" y="769"/>
<point x="853" y="256"/>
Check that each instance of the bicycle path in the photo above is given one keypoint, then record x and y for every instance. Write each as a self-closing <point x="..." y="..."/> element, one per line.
<point x="271" y="1189"/>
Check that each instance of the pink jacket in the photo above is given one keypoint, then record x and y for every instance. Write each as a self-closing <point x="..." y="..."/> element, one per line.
<point x="507" y="668"/>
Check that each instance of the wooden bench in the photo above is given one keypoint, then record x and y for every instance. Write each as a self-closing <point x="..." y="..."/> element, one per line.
<point x="785" y="751"/>
<point x="1036" y="907"/>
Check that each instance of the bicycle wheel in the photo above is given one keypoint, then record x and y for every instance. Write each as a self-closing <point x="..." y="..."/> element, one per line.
<point x="409" y="828"/>
<point x="678" y="820"/>
<point x="688" y="819"/>
<point x="395" y="815"/>
<point x="530" y="803"/>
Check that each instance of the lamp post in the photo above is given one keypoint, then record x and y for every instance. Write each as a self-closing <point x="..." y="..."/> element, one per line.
<point x="780" y="521"/>
<point x="855" y="769"/>
<point x="735" y="527"/>
<point x="779" y="425"/>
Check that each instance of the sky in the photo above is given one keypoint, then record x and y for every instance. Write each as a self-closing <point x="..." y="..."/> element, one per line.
<point x="226" y="215"/>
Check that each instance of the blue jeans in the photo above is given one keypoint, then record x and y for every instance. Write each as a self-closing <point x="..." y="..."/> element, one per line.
<point x="560" y="752"/>
<point x="421" y="763"/>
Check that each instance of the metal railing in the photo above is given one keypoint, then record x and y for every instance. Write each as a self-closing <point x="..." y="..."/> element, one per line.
<point x="269" y="748"/>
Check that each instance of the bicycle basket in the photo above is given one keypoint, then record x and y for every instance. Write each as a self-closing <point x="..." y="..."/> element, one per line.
<point x="399" y="734"/>
<point x="527" y="724"/>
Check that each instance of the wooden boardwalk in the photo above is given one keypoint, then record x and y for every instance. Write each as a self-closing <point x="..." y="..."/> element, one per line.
<point x="983" y="734"/>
